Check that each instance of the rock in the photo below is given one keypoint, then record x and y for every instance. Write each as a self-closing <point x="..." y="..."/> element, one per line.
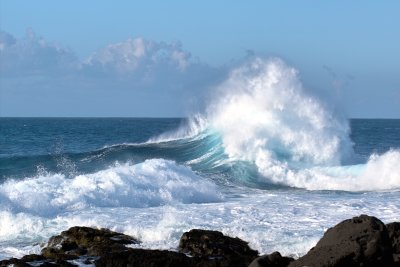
<point x="274" y="259"/>
<point x="394" y="236"/>
<point x="38" y="260"/>
<point x="145" y="258"/>
<point x="58" y="263"/>
<point x="32" y="257"/>
<point x="360" y="241"/>
<point x="216" y="247"/>
<point x="78" y="241"/>
<point x="14" y="262"/>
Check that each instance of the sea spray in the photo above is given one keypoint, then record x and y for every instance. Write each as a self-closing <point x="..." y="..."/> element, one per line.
<point x="264" y="116"/>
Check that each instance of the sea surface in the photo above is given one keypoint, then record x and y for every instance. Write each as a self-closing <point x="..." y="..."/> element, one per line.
<point x="59" y="172"/>
<point x="266" y="162"/>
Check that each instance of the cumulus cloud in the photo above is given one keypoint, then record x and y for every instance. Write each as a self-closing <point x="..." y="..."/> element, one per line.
<point x="6" y="40"/>
<point x="146" y="76"/>
<point x="32" y="55"/>
<point x="159" y="70"/>
<point x="140" y="60"/>
<point x="133" y="54"/>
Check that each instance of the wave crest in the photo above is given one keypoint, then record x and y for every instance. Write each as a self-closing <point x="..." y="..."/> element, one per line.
<point x="265" y="116"/>
<point x="154" y="182"/>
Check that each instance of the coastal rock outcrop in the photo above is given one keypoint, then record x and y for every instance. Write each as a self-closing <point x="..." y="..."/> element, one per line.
<point x="213" y="245"/>
<point x="360" y="241"/>
<point x="144" y="258"/>
<point x="394" y="235"/>
<point x="78" y="241"/>
<point x="274" y="259"/>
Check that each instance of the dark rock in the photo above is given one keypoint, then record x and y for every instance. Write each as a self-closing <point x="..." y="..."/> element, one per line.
<point x="58" y="263"/>
<point x="32" y="257"/>
<point x="274" y="259"/>
<point x="214" y="246"/>
<point x="360" y="241"/>
<point x="145" y="258"/>
<point x="78" y="241"/>
<point x="394" y="236"/>
<point x="14" y="262"/>
<point x="58" y="254"/>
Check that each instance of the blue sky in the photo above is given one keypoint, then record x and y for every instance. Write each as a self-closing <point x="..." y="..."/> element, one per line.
<point x="70" y="58"/>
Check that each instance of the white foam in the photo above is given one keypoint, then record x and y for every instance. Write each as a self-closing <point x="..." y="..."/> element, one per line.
<point x="262" y="111"/>
<point x="192" y="128"/>
<point x="381" y="172"/>
<point x="154" y="182"/>
<point x="288" y="221"/>
<point x="264" y="116"/>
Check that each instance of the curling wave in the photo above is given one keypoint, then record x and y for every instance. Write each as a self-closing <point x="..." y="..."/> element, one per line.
<point x="264" y="116"/>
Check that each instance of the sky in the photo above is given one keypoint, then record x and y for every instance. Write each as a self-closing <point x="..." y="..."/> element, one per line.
<point x="164" y="58"/>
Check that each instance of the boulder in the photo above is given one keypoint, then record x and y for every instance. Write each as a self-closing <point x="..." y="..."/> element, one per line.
<point x="145" y="258"/>
<point x="37" y="259"/>
<point x="215" y="248"/>
<point x="14" y="262"/>
<point x="360" y="241"/>
<point x="274" y="259"/>
<point x="394" y="236"/>
<point x="78" y="241"/>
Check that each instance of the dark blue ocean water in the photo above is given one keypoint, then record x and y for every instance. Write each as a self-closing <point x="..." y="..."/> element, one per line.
<point x="80" y="145"/>
<point x="59" y="143"/>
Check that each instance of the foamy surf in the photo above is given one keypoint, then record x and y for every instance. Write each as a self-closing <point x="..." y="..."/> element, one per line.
<point x="288" y="222"/>
<point x="152" y="183"/>
<point x="264" y="116"/>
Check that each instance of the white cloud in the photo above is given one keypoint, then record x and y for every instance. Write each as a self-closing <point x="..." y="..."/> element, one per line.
<point x="32" y="55"/>
<point x="146" y="78"/>
<point x="6" y="40"/>
<point x="138" y="56"/>
<point x="181" y="58"/>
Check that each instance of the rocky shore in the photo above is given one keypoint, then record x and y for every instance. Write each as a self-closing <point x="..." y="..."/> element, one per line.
<point x="360" y="241"/>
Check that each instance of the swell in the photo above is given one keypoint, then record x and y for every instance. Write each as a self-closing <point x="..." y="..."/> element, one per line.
<point x="203" y="153"/>
<point x="204" y="150"/>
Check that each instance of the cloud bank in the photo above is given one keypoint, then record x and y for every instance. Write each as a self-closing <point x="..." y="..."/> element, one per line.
<point x="145" y="77"/>
<point x="32" y="55"/>
<point x="139" y="77"/>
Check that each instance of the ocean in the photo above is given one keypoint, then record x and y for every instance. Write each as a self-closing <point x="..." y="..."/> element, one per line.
<point x="269" y="164"/>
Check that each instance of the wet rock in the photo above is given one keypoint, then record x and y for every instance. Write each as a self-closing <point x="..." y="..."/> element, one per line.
<point x="14" y="262"/>
<point x="394" y="236"/>
<point x="274" y="259"/>
<point x="32" y="257"/>
<point x="35" y="260"/>
<point x="215" y="248"/>
<point x="145" y="258"/>
<point x="57" y="263"/>
<point x="78" y="241"/>
<point x="360" y="241"/>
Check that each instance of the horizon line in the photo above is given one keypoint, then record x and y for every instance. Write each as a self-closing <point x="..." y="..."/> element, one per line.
<point x="151" y="117"/>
